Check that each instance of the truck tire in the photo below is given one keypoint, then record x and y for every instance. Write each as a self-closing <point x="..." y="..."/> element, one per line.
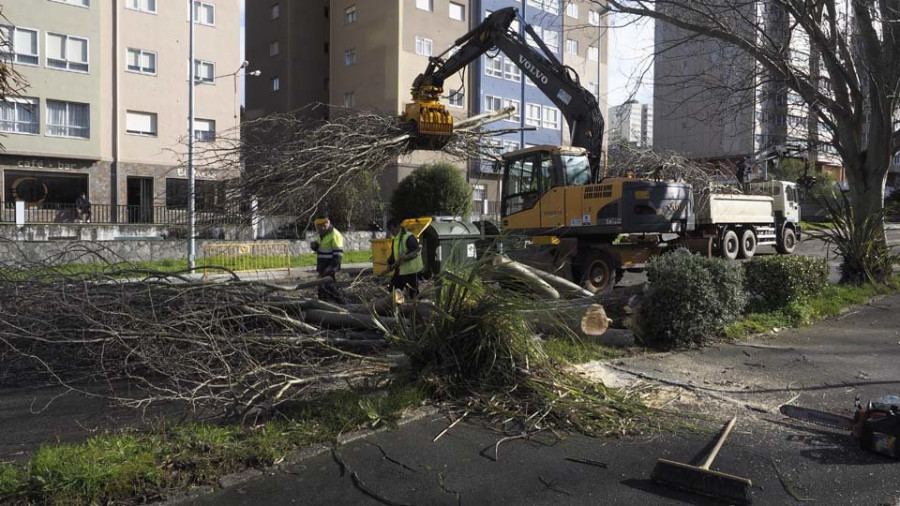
<point x="598" y="271"/>
<point x="788" y="241"/>
<point x="731" y="245"/>
<point x="748" y="244"/>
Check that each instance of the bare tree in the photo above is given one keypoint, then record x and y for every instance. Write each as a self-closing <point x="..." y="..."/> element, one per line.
<point x="847" y="72"/>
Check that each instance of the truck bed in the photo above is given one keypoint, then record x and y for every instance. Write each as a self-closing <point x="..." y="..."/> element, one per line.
<point x="727" y="208"/>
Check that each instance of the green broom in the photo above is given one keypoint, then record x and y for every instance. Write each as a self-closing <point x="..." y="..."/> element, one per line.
<point x="701" y="479"/>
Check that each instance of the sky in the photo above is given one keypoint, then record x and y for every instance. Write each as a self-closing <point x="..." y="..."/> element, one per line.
<point x="630" y="60"/>
<point x="630" y="66"/>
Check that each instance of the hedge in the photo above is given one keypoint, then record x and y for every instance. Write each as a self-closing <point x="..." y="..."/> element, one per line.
<point x="690" y="299"/>
<point x="772" y="283"/>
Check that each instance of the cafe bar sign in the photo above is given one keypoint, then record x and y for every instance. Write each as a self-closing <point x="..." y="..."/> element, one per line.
<point x="46" y="163"/>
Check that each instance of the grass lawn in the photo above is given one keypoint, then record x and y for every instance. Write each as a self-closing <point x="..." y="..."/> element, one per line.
<point x="246" y="262"/>
<point x="805" y="312"/>
<point x="136" y="467"/>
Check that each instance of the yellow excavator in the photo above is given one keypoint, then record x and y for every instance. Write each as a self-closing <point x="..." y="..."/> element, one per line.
<point x="557" y="195"/>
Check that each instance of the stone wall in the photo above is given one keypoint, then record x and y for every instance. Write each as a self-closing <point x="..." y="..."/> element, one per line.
<point x="145" y="249"/>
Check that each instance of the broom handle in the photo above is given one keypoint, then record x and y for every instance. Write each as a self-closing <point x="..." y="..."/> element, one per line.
<point x="719" y="443"/>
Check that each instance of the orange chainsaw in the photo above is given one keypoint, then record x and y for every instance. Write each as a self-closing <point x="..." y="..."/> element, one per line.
<point x="876" y="426"/>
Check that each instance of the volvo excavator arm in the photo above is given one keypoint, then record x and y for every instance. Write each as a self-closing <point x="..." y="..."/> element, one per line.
<point x="433" y="124"/>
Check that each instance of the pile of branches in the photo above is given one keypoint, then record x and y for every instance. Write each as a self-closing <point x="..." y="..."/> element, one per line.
<point x="231" y="347"/>
<point x="480" y="351"/>
<point x="660" y="165"/>
<point x="292" y="162"/>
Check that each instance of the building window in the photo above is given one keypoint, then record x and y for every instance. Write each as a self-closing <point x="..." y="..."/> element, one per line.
<point x="456" y="99"/>
<point x="537" y="4"/>
<point x="551" y="6"/>
<point x="511" y="72"/>
<point x="593" y="53"/>
<point x="141" y="5"/>
<point x="65" y="52"/>
<point x="350" y="57"/>
<point x="571" y="46"/>
<point x="79" y="3"/>
<point x="594" y="18"/>
<point x="204" y="130"/>
<point x="276" y="11"/>
<point x="350" y="15"/>
<point x="551" y="118"/>
<point x="510" y="146"/>
<point x="68" y="119"/>
<point x="457" y="11"/>
<point x="424" y="46"/>
<point x="492" y="103"/>
<point x="209" y="197"/>
<point x="19" y="116"/>
<point x="594" y="88"/>
<point x="204" y="13"/>
<point x="140" y="123"/>
<point x="425" y="5"/>
<point x="517" y="113"/>
<point x="22" y="45"/>
<point x="479" y="194"/>
<point x="274" y="48"/>
<point x="572" y="9"/>
<point x="350" y="99"/>
<point x="494" y="66"/>
<point x="140" y="61"/>
<point x="533" y="115"/>
<point x="276" y="83"/>
<point x="551" y="39"/>
<point x="204" y="72"/>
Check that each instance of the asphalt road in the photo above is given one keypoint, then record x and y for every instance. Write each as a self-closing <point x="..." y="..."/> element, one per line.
<point x="826" y="365"/>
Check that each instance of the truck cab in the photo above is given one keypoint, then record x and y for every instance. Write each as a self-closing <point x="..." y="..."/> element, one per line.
<point x="786" y="199"/>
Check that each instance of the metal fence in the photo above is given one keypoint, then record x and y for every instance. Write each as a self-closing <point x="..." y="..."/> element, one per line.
<point x="46" y="213"/>
<point x="247" y="256"/>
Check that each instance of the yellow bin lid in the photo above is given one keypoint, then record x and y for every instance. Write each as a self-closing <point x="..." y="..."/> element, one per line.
<point x="416" y="225"/>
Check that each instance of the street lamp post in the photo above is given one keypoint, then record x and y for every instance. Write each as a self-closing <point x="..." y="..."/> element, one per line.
<point x="192" y="245"/>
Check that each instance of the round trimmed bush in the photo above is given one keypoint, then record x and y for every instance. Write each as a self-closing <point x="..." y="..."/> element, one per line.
<point x="690" y="299"/>
<point x="432" y="190"/>
<point x="773" y="282"/>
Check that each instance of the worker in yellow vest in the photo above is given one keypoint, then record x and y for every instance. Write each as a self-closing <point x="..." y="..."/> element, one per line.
<point x="329" y="255"/>
<point x="405" y="260"/>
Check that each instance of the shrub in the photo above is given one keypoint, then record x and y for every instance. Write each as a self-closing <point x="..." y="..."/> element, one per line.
<point x="690" y="299"/>
<point x="434" y="189"/>
<point x="773" y="282"/>
<point x="860" y="241"/>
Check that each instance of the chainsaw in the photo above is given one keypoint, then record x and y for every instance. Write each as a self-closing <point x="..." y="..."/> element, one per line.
<point x="876" y="426"/>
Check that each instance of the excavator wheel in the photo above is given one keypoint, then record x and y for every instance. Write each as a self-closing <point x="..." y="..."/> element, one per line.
<point x="598" y="271"/>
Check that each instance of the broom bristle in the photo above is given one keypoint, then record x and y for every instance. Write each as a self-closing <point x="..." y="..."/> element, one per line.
<point x="703" y="481"/>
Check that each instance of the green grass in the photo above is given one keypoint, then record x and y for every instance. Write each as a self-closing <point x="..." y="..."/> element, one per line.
<point x="804" y="312"/>
<point x="136" y="466"/>
<point x="578" y="351"/>
<point x="177" y="265"/>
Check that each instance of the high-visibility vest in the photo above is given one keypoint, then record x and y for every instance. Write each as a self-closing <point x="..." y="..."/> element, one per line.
<point x="329" y="244"/>
<point x="412" y="266"/>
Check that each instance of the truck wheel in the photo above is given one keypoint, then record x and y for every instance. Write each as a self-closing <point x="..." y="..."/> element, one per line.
<point x="787" y="243"/>
<point x="748" y="244"/>
<point x="731" y="246"/>
<point x="598" y="269"/>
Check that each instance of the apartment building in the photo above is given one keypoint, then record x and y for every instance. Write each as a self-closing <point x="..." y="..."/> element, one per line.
<point x="366" y="53"/>
<point x="631" y="124"/>
<point x="706" y="108"/>
<point x="106" y="108"/>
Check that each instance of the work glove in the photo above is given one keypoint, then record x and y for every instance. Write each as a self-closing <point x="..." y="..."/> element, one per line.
<point x="314" y="246"/>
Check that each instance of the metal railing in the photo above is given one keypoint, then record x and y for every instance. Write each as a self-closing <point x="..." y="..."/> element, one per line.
<point x="47" y="213"/>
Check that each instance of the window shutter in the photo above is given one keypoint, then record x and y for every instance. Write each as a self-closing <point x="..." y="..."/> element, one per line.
<point x="55" y="47"/>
